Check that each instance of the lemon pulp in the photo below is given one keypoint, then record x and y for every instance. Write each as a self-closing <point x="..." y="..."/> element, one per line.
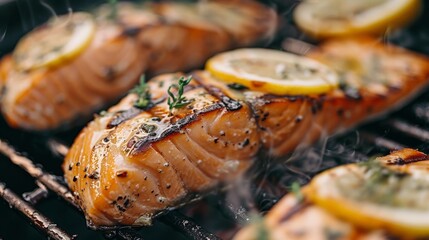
<point x="396" y="203"/>
<point x="334" y="18"/>
<point x="273" y="72"/>
<point x="59" y="39"/>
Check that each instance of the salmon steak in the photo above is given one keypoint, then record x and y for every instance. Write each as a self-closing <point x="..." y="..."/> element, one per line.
<point x="162" y="149"/>
<point x="400" y="176"/>
<point x="68" y="68"/>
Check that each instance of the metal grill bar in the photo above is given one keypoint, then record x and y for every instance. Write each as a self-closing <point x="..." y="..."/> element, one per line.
<point x="39" y="220"/>
<point x="381" y="141"/>
<point x="46" y="179"/>
<point x="409" y="129"/>
<point x="187" y="226"/>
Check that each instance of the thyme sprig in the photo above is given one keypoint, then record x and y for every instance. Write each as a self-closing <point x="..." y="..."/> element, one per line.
<point x="142" y="90"/>
<point x="178" y="101"/>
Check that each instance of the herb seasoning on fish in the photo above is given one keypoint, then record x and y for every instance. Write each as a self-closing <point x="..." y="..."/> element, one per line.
<point x="179" y="101"/>
<point x="144" y="97"/>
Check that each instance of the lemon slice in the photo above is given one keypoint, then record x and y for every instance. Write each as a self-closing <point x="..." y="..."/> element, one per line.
<point x="273" y="72"/>
<point x="375" y="198"/>
<point x="59" y="39"/>
<point x="333" y="18"/>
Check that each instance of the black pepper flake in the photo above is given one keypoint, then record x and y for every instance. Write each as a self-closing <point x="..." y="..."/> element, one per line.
<point x="245" y="143"/>
<point x="85" y="169"/>
<point x="316" y="106"/>
<point x="121" y="173"/>
<point x="77" y="164"/>
<point x="94" y="175"/>
<point x="264" y="117"/>
<point x="216" y="140"/>
<point x="156" y="119"/>
<point x="120" y="208"/>
<point x="152" y="191"/>
<point x="168" y="186"/>
<point x="74" y="179"/>
<point x="127" y="203"/>
<point x="70" y="167"/>
<point x="106" y="140"/>
<point x="222" y="133"/>
<point x="298" y="118"/>
<point x="145" y="178"/>
<point x="119" y="198"/>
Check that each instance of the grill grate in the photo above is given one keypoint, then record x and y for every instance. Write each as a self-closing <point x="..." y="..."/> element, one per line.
<point x="407" y="128"/>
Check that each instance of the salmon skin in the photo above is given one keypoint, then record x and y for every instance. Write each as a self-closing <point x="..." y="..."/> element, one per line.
<point x="151" y="38"/>
<point x="129" y="165"/>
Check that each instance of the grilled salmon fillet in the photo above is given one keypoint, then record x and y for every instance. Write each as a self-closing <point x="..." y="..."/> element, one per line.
<point x="151" y="39"/>
<point x="299" y="217"/>
<point x="216" y="138"/>
<point x="294" y="220"/>
<point x="130" y="164"/>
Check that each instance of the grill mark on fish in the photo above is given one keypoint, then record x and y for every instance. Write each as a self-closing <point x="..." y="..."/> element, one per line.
<point x="144" y="142"/>
<point x="123" y="116"/>
<point x="230" y="103"/>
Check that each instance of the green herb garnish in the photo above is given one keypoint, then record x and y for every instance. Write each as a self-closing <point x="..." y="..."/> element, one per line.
<point x="113" y="9"/>
<point x="144" y="98"/>
<point x="178" y="101"/>
<point x="296" y="190"/>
